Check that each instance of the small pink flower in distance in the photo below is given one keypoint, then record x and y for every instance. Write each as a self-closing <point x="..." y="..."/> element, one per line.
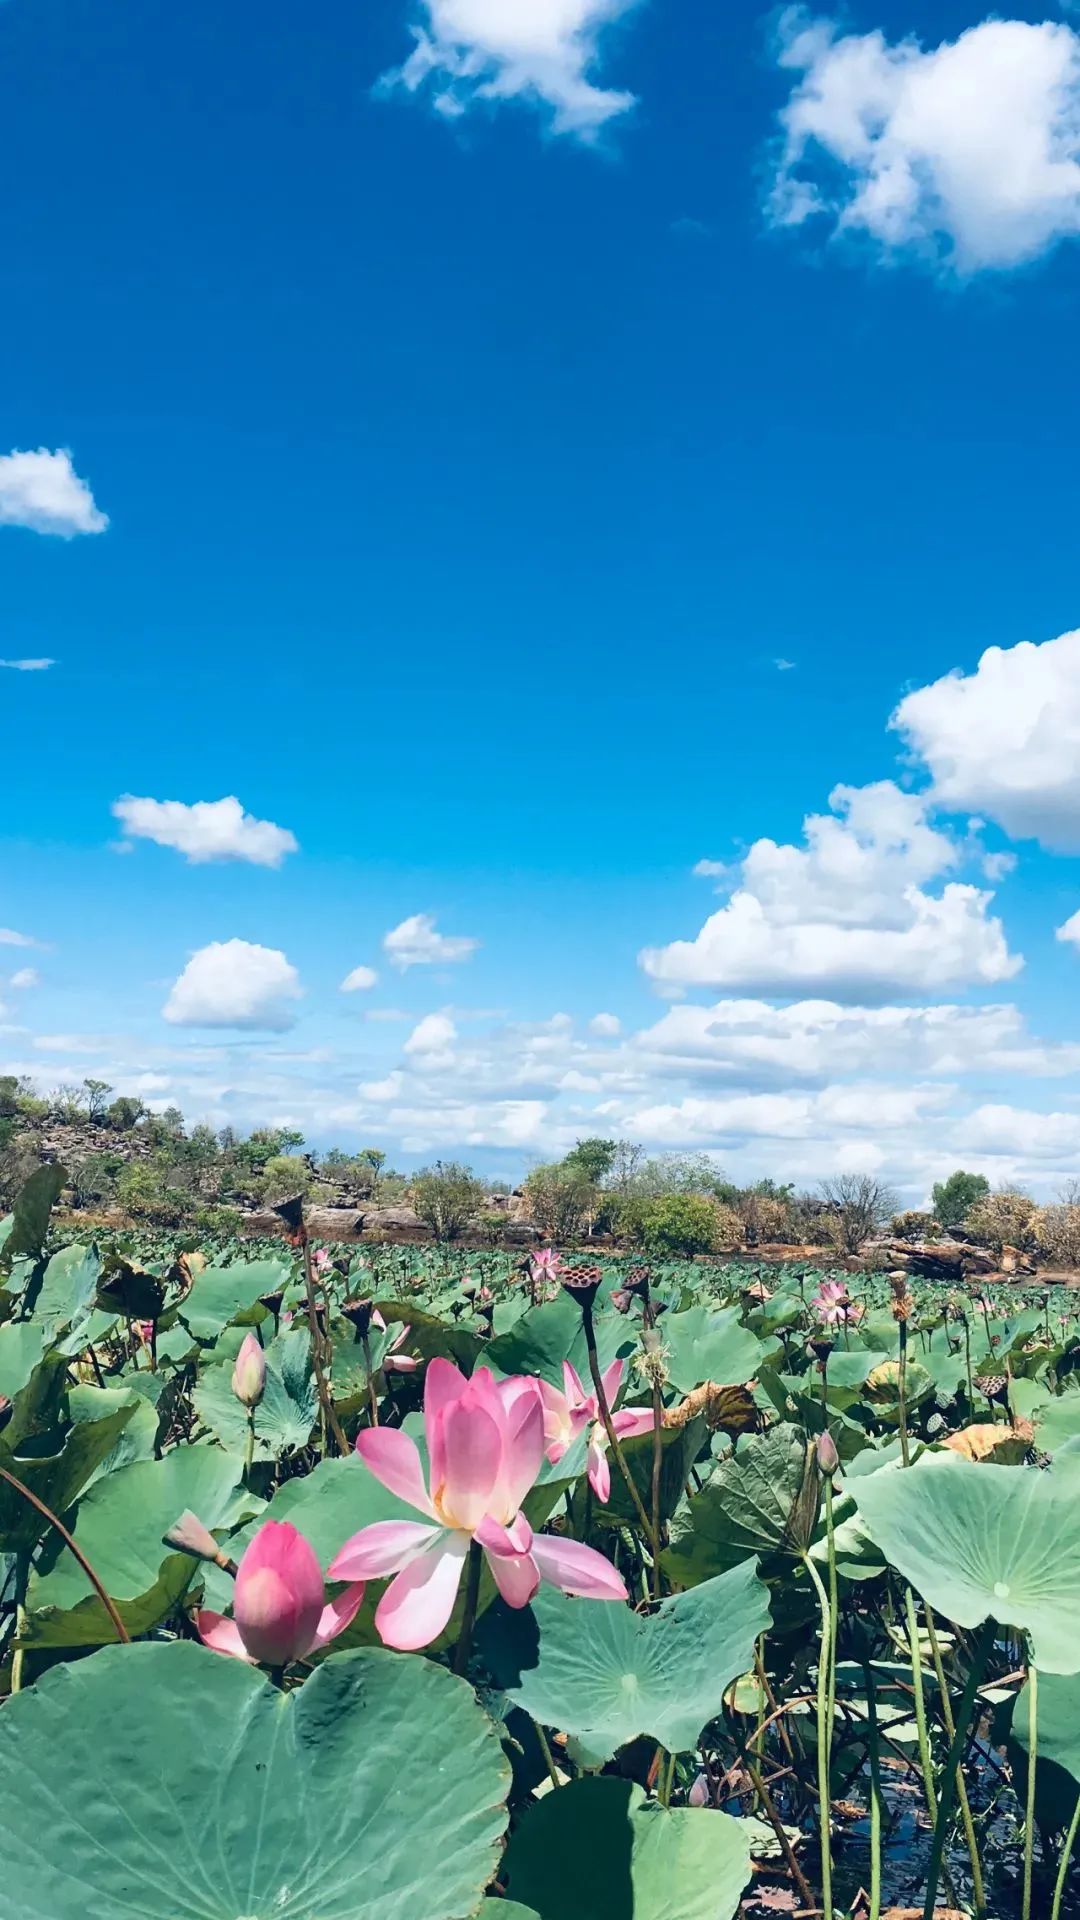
<point x="321" y="1260"/>
<point x="546" y="1264"/>
<point x="393" y="1361"/>
<point x="485" y="1442"/>
<point x="279" y="1612"/>
<point x="566" y="1413"/>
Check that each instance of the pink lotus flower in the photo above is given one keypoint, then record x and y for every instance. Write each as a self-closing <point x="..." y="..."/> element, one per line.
<point x="392" y="1361"/>
<point x="249" y="1372"/>
<point x="566" y="1413"/>
<point x="321" y="1260"/>
<point x="833" y="1304"/>
<point x="485" y="1441"/>
<point x="278" y="1613"/>
<point x="546" y="1264"/>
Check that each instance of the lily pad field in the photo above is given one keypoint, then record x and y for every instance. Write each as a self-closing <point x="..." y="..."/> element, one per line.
<point x="405" y="1583"/>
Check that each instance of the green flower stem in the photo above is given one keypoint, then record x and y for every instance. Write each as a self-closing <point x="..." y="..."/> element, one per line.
<point x="834" y="1607"/>
<point x="824" y="1798"/>
<point x="875" y="1794"/>
<point x="968" y="1823"/>
<point x="373" y="1398"/>
<point x="549" y="1759"/>
<point x="468" y="1618"/>
<point x="612" y="1436"/>
<point x="920" y="1703"/>
<point x="1033" y="1756"/>
<point x="901" y="1388"/>
<point x="249" y="1446"/>
<point x="1063" y="1863"/>
<point x="953" y="1778"/>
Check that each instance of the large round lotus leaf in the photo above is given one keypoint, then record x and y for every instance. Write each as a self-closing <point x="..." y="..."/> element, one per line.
<point x="1058" y="1730"/>
<point x="709" y="1343"/>
<point x="57" y="1479"/>
<point x="170" y="1783"/>
<point x="505" y="1910"/>
<point x="981" y="1542"/>
<point x="221" y="1294"/>
<point x="599" y="1850"/>
<point x="541" y="1339"/>
<point x="762" y="1499"/>
<point x="119" y="1524"/>
<point x="606" y="1674"/>
<point x="287" y="1411"/>
<point x="679" y="1448"/>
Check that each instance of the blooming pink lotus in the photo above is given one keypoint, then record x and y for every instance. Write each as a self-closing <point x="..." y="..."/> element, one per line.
<point x="321" y="1260"/>
<point x="278" y="1613"/>
<point x="567" y="1412"/>
<point x="485" y="1441"/>
<point x="392" y="1361"/>
<point x="833" y="1304"/>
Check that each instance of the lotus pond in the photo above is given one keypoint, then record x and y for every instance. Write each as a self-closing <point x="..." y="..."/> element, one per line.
<point x="349" y="1583"/>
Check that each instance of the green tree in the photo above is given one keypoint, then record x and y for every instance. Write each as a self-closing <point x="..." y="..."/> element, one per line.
<point x="955" y="1197"/>
<point x="446" y="1195"/>
<point x="593" y="1157"/>
<point x="673" y="1223"/>
<point x="97" y="1099"/>
<point x="123" y="1113"/>
<point x="559" y="1199"/>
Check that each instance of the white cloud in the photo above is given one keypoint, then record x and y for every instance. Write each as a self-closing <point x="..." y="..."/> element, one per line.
<point x="388" y="1089"/>
<point x="541" y="52"/>
<point x="207" y="830"/>
<point x="72" y="1043"/>
<point x="846" y="914"/>
<point x="967" y="153"/>
<point x="28" y="666"/>
<point x="1016" y="1130"/>
<point x="605" y="1025"/>
<point x="25" y="977"/>
<point x="42" y="491"/>
<point x="360" y="980"/>
<point x="784" y="666"/>
<point x="9" y="938"/>
<point x="1069" y="931"/>
<point x="1005" y="740"/>
<point x="867" y="1109"/>
<point x="231" y="983"/>
<point x="418" y="943"/>
<point x="432" y="1040"/>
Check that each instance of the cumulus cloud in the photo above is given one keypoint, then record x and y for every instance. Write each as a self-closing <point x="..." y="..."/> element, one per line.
<point x="43" y="492"/>
<point x="432" y="1040"/>
<point x="232" y="983"/>
<point x="28" y="666"/>
<point x="721" y="1120"/>
<point x="25" y="977"/>
<point x="1016" y="1130"/>
<point x="1005" y="740"/>
<point x="9" y="938"/>
<point x="207" y="830"/>
<point x="847" y="914"/>
<point x="605" y="1025"/>
<point x="360" y="980"/>
<point x="418" y="943"/>
<point x="966" y="153"/>
<point x="539" y="52"/>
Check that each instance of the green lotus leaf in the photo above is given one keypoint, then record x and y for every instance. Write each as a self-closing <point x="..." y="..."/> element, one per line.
<point x="606" y="1674"/>
<point x="29" y="1221"/>
<point x="221" y="1294"/>
<point x="506" y="1910"/>
<point x="541" y="1339"/>
<point x="168" y="1783"/>
<point x="761" y="1500"/>
<point x="986" y="1542"/>
<point x="57" y="1478"/>
<point x="679" y="1448"/>
<point x="599" y="1850"/>
<point x="710" y="1343"/>
<point x="118" y="1525"/>
<point x="68" y="1287"/>
<point x="287" y="1411"/>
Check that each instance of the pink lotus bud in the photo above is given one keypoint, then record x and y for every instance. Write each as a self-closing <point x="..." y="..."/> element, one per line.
<point x="827" y="1457"/>
<point x="699" y="1795"/>
<point x="249" y="1373"/>
<point x="188" y="1535"/>
<point x="278" y="1610"/>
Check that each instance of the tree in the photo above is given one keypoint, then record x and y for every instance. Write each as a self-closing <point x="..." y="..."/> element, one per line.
<point x="68" y="1103"/>
<point x="955" y="1197"/>
<point x="593" y="1158"/>
<point x="559" y="1198"/>
<point x="858" y="1205"/>
<point x="1003" y="1219"/>
<point x="9" y="1095"/>
<point x="679" y="1223"/>
<point x="124" y="1112"/>
<point x="97" y="1099"/>
<point x="446" y="1195"/>
<point x="284" y="1175"/>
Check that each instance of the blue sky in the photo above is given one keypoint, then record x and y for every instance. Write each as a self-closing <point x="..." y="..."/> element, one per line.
<point x="472" y="448"/>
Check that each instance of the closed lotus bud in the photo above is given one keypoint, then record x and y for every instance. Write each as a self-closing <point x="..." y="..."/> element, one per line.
<point x="621" y="1300"/>
<point x="249" y="1373"/>
<point x="188" y="1535"/>
<point x="5" y="1411"/>
<point x="827" y="1457"/>
<point x="699" y="1795"/>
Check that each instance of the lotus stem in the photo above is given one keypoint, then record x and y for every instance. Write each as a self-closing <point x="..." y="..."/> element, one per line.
<point x="901" y="1392"/>
<point x="249" y="1446"/>
<point x="1063" y="1863"/>
<point x="48" y="1514"/>
<point x="824" y="1797"/>
<point x="468" y="1618"/>
<point x="667" y="1775"/>
<point x="875" y="1795"/>
<point x="1029" y="1811"/>
<point x="920" y="1702"/>
<point x="549" y="1759"/>
<point x="373" y="1398"/>
<point x="609" y="1429"/>
<point x="322" y="1384"/>
<point x="964" y="1803"/>
<point x="953" y="1778"/>
<point x="834" y="1606"/>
